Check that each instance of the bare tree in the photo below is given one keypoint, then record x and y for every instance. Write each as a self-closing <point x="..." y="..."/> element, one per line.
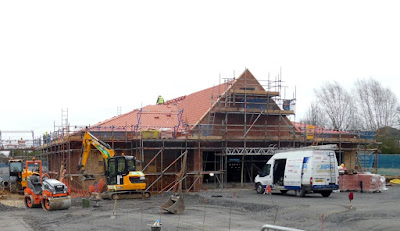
<point x="378" y="106"/>
<point x="337" y="104"/>
<point x="398" y="117"/>
<point x="315" y="115"/>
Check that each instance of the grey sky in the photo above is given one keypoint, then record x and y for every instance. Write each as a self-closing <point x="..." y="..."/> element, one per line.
<point x="94" y="56"/>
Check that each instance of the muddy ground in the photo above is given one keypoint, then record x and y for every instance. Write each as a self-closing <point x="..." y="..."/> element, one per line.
<point x="229" y="209"/>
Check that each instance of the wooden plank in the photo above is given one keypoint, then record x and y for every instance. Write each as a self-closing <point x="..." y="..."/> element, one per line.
<point x="255" y="92"/>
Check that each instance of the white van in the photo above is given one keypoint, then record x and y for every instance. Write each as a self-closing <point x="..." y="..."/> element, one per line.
<point x="306" y="170"/>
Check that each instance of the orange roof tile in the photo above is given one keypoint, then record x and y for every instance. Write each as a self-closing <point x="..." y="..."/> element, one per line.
<point x="189" y="109"/>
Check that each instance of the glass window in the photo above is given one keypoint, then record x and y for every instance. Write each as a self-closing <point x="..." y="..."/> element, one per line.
<point x="111" y="167"/>
<point x="131" y="165"/>
<point x="121" y="165"/>
<point x="265" y="171"/>
<point x="15" y="167"/>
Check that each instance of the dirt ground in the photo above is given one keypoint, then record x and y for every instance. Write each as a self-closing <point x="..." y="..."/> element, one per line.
<point x="228" y="209"/>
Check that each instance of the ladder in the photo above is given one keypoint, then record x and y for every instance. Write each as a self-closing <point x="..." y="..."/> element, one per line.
<point x="211" y="115"/>
<point x="64" y="121"/>
<point x="332" y="169"/>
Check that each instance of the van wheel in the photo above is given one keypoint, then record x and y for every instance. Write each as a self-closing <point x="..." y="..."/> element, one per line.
<point x="301" y="192"/>
<point x="259" y="188"/>
<point x="326" y="193"/>
<point x="284" y="191"/>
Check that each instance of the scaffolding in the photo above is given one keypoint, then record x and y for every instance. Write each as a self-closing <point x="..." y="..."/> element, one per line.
<point x="245" y="124"/>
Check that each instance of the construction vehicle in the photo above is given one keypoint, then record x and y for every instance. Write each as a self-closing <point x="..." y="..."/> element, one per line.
<point x="122" y="178"/>
<point x="50" y="194"/>
<point x="17" y="181"/>
<point x="305" y="170"/>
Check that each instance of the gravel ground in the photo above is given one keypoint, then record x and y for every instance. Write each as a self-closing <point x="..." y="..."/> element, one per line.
<point x="229" y="209"/>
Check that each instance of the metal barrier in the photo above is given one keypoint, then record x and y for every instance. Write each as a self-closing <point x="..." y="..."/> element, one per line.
<point x="277" y="228"/>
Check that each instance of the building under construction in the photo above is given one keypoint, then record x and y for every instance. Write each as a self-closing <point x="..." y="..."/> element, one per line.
<point x="228" y="131"/>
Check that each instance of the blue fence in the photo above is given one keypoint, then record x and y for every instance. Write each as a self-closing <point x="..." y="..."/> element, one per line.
<point x="388" y="164"/>
<point x="367" y="161"/>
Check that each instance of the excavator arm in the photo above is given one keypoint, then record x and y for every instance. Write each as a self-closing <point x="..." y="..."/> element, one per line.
<point x="123" y="180"/>
<point x="87" y="142"/>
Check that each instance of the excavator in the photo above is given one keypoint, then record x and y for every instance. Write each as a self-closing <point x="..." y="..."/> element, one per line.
<point x="17" y="175"/>
<point x="123" y="180"/>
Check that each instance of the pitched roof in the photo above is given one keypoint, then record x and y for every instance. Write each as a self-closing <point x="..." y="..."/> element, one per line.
<point x="196" y="105"/>
<point x="189" y="109"/>
<point x="186" y="110"/>
<point x="148" y="117"/>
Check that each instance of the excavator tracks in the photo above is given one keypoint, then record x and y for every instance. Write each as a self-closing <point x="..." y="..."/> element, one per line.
<point x="121" y="195"/>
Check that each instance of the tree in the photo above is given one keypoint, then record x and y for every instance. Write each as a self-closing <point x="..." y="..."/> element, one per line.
<point x="315" y="115"/>
<point x="389" y="138"/>
<point x="337" y="105"/>
<point x="378" y="106"/>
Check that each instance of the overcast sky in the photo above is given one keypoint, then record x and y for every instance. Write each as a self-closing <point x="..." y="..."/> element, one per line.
<point x="95" y="56"/>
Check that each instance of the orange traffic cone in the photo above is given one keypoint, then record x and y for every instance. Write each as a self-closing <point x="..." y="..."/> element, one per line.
<point x="234" y="194"/>
<point x="267" y="190"/>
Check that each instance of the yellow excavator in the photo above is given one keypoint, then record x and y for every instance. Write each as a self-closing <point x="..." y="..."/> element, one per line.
<point x="123" y="180"/>
<point x="18" y="175"/>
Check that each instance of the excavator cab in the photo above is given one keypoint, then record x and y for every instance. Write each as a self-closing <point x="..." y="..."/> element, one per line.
<point x="116" y="170"/>
<point x="119" y="167"/>
<point x="16" y="166"/>
<point x="15" y="171"/>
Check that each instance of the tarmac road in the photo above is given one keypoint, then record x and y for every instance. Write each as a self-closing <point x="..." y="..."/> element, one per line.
<point x="228" y="209"/>
<point x="10" y="222"/>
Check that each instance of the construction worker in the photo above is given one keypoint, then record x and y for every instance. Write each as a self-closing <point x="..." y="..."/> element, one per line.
<point x="45" y="138"/>
<point x="160" y="100"/>
<point x="341" y="169"/>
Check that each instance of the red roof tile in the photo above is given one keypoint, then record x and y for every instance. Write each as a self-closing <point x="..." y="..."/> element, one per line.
<point x="189" y="109"/>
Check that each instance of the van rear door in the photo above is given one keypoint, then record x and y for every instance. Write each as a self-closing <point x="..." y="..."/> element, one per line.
<point x="293" y="172"/>
<point x="325" y="165"/>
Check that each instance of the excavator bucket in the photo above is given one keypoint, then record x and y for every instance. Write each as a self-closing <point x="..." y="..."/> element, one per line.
<point x="174" y="205"/>
<point x="84" y="177"/>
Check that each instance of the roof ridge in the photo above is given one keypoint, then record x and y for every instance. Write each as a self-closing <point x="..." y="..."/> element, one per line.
<point x="180" y="98"/>
<point x="175" y="100"/>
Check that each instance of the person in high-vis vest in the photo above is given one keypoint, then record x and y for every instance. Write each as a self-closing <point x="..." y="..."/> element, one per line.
<point x="160" y="100"/>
